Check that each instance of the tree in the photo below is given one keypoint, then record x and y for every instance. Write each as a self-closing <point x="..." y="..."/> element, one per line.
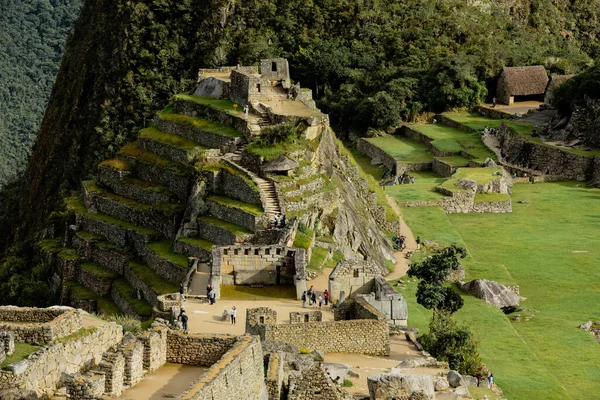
<point x="433" y="272"/>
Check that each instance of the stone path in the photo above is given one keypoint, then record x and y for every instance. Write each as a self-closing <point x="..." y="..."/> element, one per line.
<point x="200" y="280"/>
<point x="168" y="381"/>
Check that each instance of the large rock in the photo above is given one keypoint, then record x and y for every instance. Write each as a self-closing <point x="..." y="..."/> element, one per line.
<point x="489" y="163"/>
<point x="462" y="391"/>
<point x="440" y="383"/>
<point x="212" y="87"/>
<point x="492" y="292"/>
<point x="455" y="379"/>
<point x="412" y="363"/>
<point x="467" y="184"/>
<point x="386" y="386"/>
<point x="471" y="380"/>
<point x="281" y="164"/>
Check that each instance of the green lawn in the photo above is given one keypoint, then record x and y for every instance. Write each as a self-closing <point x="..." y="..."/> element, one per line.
<point x="201" y="124"/>
<point x="240" y="292"/>
<point x="455" y="161"/>
<point x="317" y="257"/>
<point x="164" y="248"/>
<point x="422" y="190"/>
<point x="218" y="104"/>
<point x="474" y="120"/>
<point x="405" y="151"/>
<point x="169" y="139"/>
<point x="21" y="352"/>
<point x="550" y="247"/>
<point x="228" y="226"/>
<point x="479" y="175"/>
<point x="253" y="209"/>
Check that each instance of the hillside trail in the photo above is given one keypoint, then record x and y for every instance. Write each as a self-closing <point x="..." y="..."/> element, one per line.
<point x="402" y="263"/>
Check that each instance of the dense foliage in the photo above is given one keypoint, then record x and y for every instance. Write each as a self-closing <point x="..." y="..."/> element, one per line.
<point x="448" y="341"/>
<point x="32" y="37"/>
<point x="433" y="271"/>
<point x="573" y="91"/>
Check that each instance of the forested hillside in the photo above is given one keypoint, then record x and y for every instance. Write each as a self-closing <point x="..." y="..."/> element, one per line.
<point x="32" y="37"/>
<point x="370" y="63"/>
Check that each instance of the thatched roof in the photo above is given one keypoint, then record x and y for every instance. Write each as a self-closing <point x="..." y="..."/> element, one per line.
<point x="525" y="81"/>
<point x="557" y="80"/>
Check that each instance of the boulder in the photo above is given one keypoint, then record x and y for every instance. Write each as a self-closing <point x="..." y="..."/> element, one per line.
<point x="440" y="383"/>
<point x="455" y="379"/>
<point x="471" y="380"/>
<point x="462" y="391"/>
<point x="386" y="386"/>
<point x="587" y="326"/>
<point x="412" y="363"/>
<point x="19" y="367"/>
<point x="212" y="87"/>
<point x="492" y="292"/>
<point x="280" y="164"/>
<point x="335" y="369"/>
<point x="318" y="355"/>
<point x="489" y="163"/>
<point x="419" y="395"/>
<point x="467" y="184"/>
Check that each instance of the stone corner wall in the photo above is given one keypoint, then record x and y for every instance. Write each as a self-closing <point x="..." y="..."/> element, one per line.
<point x="197" y="349"/>
<point x="373" y="151"/>
<point x="352" y="277"/>
<point x="274" y="375"/>
<point x="39" y="325"/>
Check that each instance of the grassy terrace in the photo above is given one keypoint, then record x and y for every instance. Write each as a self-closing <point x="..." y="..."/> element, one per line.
<point x="217" y="104"/>
<point x="455" y="161"/>
<point x="454" y="140"/>
<point x="317" y="258"/>
<point x="253" y="209"/>
<point x="128" y="293"/>
<point x="404" y="150"/>
<point x="194" y="241"/>
<point x="75" y="205"/>
<point x="117" y="164"/>
<point x="240" y="292"/>
<point x="56" y="246"/>
<point x="156" y="283"/>
<point x="164" y="249"/>
<point x="550" y="247"/>
<point x="272" y="151"/>
<point x="146" y="185"/>
<point x="303" y="240"/>
<point x="22" y="351"/>
<point x="105" y="305"/>
<point x="217" y="166"/>
<point x="479" y="175"/>
<point x="335" y="258"/>
<point x="170" y="139"/>
<point x="145" y="157"/>
<point x="99" y="271"/>
<point x="168" y="208"/>
<point x="201" y="124"/>
<point x="422" y="190"/>
<point x="228" y="226"/>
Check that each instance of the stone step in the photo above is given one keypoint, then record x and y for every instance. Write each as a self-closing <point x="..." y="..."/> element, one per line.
<point x="221" y="232"/>
<point x="247" y="215"/>
<point x="171" y="147"/>
<point x="206" y="133"/>
<point x="128" y="299"/>
<point x="163" y="217"/>
<point x="150" y="167"/>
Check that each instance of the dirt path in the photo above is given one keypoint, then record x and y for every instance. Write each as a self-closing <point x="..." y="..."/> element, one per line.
<point x="168" y="381"/>
<point x="200" y="280"/>
<point x="402" y="263"/>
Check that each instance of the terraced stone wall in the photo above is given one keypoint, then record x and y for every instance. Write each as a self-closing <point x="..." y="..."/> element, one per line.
<point x="42" y="372"/>
<point x="238" y="374"/>
<point x="234" y="186"/>
<point x="39" y="325"/>
<point x="453" y="124"/>
<point x="197" y="349"/>
<point x="212" y="114"/>
<point x="442" y="168"/>
<point x="372" y="151"/>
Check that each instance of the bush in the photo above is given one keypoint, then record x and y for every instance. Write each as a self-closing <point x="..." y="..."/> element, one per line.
<point x="129" y="323"/>
<point x="448" y="341"/>
<point x="347" y="383"/>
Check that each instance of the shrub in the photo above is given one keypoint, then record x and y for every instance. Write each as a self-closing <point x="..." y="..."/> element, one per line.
<point x="304" y="350"/>
<point x="347" y="383"/>
<point x="129" y="323"/>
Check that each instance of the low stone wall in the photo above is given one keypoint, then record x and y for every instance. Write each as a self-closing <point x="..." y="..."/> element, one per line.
<point x="139" y="284"/>
<point x="40" y="373"/>
<point x="239" y="374"/>
<point x="237" y="216"/>
<point x="116" y="180"/>
<point x="442" y="168"/>
<point x="423" y="203"/>
<point x="109" y="258"/>
<point x="301" y="317"/>
<point x="274" y="376"/>
<point x="155" y="348"/>
<point x="212" y="114"/>
<point x="388" y="302"/>
<point x="492" y="207"/>
<point x="356" y="309"/>
<point x="23" y="322"/>
<point x="402" y="168"/>
<point x="100" y="285"/>
<point x="197" y="349"/>
<point x="113" y="367"/>
<point x="373" y="151"/>
<point x="259" y="315"/>
<point x="163" y="267"/>
<point x="250" y="265"/>
<point x="550" y="160"/>
<point x="86" y="386"/>
<point x="492" y="112"/>
<point x="205" y="138"/>
<point x="454" y="124"/>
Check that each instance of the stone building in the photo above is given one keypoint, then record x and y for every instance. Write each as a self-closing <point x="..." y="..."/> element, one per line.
<point x="522" y="83"/>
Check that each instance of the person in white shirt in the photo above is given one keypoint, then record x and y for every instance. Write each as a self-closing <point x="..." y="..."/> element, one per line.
<point x="233" y="312"/>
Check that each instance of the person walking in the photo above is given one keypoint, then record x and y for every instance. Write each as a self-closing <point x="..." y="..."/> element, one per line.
<point x="313" y="298"/>
<point x="184" y="321"/>
<point x="233" y="313"/>
<point x="303" y="299"/>
<point x="326" y="297"/>
<point x="320" y="301"/>
<point x="181" y="296"/>
<point x="491" y="380"/>
<point x="310" y="295"/>
<point x="282" y="221"/>
<point x="211" y="296"/>
<point x="246" y="109"/>
<point x="275" y="220"/>
<point x="418" y="240"/>
<point x="494" y="102"/>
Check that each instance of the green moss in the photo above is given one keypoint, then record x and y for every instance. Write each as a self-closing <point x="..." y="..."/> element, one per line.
<point x="228" y="226"/>
<point x="146" y="157"/>
<point x="170" y="139"/>
<point x="82" y="332"/>
<point x="198" y="123"/>
<point x="88" y="236"/>
<point x="99" y="271"/>
<point x="334" y="260"/>
<point x="164" y="249"/>
<point x="116" y="163"/>
<point x="156" y="283"/>
<point x="203" y="244"/>
<point x="22" y="351"/>
<point x="455" y="161"/>
<point x="146" y="185"/>
<point x="126" y="291"/>
<point x="50" y="245"/>
<point x="68" y="254"/>
<point x="229" y="202"/>
<point x="317" y="258"/>
<point x="271" y="151"/>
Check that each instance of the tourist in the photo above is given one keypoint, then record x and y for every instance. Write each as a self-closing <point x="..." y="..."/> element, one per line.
<point x="246" y="109"/>
<point x="181" y="312"/>
<point x="211" y="296"/>
<point x="303" y="299"/>
<point x="282" y="221"/>
<point x="310" y="294"/>
<point x="181" y="297"/>
<point x="412" y="179"/>
<point x="494" y="102"/>
<point x="313" y="298"/>
<point x="208" y="289"/>
<point x="486" y="130"/>
<point x="275" y="220"/>
<point x="233" y="313"/>
<point x="418" y="240"/>
<point x="326" y="296"/>
<point x="484" y="397"/>
<point x="320" y="301"/>
<point x="184" y="321"/>
<point x="235" y="106"/>
<point x="491" y="380"/>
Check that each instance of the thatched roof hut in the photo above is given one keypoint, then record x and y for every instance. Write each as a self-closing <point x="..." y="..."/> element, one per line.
<point x="521" y="81"/>
<point x="555" y="81"/>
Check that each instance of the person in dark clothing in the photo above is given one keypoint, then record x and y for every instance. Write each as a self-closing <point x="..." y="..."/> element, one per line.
<point x="313" y="298"/>
<point x="208" y="289"/>
<point x="212" y="296"/>
<point x="418" y="240"/>
<point x="326" y="297"/>
<point x="181" y="297"/>
<point x="309" y="294"/>
<point x="184" y="321"/>
<point x="282" y="221"/>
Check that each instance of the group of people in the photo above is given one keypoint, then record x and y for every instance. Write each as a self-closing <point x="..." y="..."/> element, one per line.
<point x="399" y="242"/>
<point x="279" y="221"/>
<point x="310" y="295"/>
<point x="491" y="131"/>
<point x="405" y="177"/>
<point x="211" y="294"/>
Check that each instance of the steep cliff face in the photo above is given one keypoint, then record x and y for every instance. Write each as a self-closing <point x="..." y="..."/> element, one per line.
<point x="582" y="125"/>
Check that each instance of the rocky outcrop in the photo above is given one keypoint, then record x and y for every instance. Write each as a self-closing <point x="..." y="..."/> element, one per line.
<point x="388" y="386"/>
<point x="492" y="292"/>
<point x="582" y="125"/>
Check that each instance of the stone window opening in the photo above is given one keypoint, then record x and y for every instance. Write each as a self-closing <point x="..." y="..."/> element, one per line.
<point x="235" y="252"/>
<point x="258" y="87"/>
<point x="305" y="317"/>
<point x="267" y="252"/>
<point x="255" y="252"/>
<point x="246" y="252"/>
<point x="274" y="66"/>
<point x="225" y="252"/>
<point x="356" y="273"/>
<point x="262" y="320"/>
<point x="278" y="251"/>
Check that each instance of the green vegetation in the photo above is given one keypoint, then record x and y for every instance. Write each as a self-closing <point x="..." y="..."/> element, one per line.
<point x="474" y="120"/>
<point x="106" y="305"/>
<point x="453" y="140"/>
<point x="555" y="270"/>
<point x="217" y="104"/>
<point x="146" y="157"/>
<point x="303" y="237"/>
<point x="147" y="185"/>
<point x="155" y="282"/>
<point x="347" y="383"/>
<point x="164" y="249"/>
<point x="422" y="190"/>
<point x="228" y="226"/>
<point x="479" y="175"/>
<point x="365" y="165"/>
<point x="526" y="131"/>
<point x="455" y="161"/>
<point x="169" y="139"/>
<point x="239" y="292"/>
<point x="22" y="351"/>
<point x="278" y="140"/>
<point x="99" y="271"/>
<point x="140" y="307"/>
<point x="215" y="167"/>
<point x="82" y="332"/>
<point x="115" y="163"/>
<point x="334" y="260"/>
<point x="129" y="323"/>
<point x="405" y="150"/>
<point x="203" y="244"/>
<point x="572" y="93"/>
<point x="253" y="209"/>
<point x="201" y="124"/>
<point x="317" y="257"/>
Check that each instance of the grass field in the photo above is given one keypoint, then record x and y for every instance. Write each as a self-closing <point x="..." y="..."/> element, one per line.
<point x="422" y="190"/>
<point x="406" y="151"/>
<point x="550" y="247"/>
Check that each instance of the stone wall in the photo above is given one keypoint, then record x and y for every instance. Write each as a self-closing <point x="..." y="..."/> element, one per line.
<point x="113" y="366"/>
<point x="413" y="134"/>
<point x="274" y="375"/>
<point x="356" y="309"/>
<point x="197" y="349"/>
<point x="205" y="138"/>
<point x="301" y="317"/>
<point x="251" y="221"/>
<point x="88" y="386"/>
<point x="388" y="302"/>
<point x="43" y="370"/>
<point x="25" y="323"/>
<point x="314" y="384"/>
<point x="155" y="348"/>
<point x="221" y="116"/>
<point x="352" y="277"/>
<point x="236" y="187"/>
<point x="492" y="112"/>
<point x="251" y="265"/>
<point x="239" y="374"/>
<point x="259" y="315"/>
<point x="373" y="151"/>
<point x="7" y="343"/>
<point x="442" y="168"/>
<point x="548" y="159"/>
